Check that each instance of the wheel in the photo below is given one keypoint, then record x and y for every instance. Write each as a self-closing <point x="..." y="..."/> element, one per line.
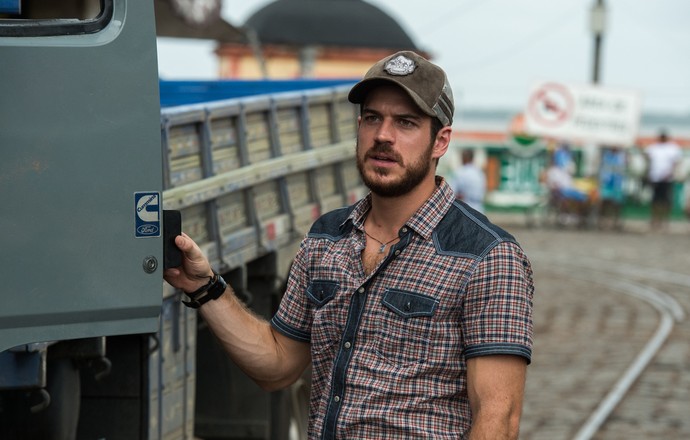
<point x="50" y="414"/>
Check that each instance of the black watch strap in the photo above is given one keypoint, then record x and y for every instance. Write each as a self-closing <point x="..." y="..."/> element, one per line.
<point x="212" y="290"/>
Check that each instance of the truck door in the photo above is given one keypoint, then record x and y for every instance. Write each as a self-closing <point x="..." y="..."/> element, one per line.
<point x="80" y="172"/>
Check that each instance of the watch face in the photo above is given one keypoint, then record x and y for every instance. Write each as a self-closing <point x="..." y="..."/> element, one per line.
<point x="197" y="12"/>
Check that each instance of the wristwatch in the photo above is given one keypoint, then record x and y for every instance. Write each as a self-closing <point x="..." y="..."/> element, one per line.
<point x="211" y="290"/>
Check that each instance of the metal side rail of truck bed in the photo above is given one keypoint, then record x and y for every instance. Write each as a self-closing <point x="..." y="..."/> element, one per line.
<point x="249" y="176"/>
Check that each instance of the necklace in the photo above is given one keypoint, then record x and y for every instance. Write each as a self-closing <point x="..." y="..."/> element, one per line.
<point x="383" y="245"/>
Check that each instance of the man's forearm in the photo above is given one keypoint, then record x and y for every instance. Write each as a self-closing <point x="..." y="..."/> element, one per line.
<point x="495" y="427"/>
<point x="251" y="343"/>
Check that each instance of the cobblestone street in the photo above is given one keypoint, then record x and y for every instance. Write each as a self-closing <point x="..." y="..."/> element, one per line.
<point x="597" y="308"/>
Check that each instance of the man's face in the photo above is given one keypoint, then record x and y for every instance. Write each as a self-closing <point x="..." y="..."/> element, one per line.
<point x="394" y="150"/>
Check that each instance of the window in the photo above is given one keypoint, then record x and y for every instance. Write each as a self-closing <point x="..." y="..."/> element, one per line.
<point x="38" y="18"/>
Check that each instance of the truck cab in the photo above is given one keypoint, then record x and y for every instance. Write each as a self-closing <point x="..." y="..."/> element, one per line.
<point x="93" y="343"/>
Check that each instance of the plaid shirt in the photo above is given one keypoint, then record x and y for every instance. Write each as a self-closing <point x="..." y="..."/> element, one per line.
<point x="389" y="349"/>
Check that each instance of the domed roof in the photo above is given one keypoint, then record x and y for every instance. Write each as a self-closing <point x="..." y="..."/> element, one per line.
<point x="343" y="23"/>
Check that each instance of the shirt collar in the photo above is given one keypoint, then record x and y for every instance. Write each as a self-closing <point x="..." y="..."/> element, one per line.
<point x="424" y="221"/>
<point x="359" y="213"/>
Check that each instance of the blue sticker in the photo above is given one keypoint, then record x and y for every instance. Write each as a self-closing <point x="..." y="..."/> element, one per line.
<point x="10" y="7"/>
<point x="147" y="214"/>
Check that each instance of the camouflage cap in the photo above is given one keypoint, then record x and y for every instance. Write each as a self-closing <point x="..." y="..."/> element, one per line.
<point x="425" y="82"/>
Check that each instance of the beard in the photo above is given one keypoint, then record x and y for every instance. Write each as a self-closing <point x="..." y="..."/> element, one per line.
<point x="414" y="172"/>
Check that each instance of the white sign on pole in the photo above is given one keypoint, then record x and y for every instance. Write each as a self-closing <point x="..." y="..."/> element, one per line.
<point x="583" y="112"/>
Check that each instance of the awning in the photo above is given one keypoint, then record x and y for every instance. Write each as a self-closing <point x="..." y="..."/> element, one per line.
<point x="170" y="24"/>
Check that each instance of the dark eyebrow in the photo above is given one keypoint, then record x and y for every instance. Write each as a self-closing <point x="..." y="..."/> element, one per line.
<point x="368" y="110"/>
<point x="414" y="116"/>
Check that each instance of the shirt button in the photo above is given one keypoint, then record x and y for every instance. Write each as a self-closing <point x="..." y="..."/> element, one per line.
<point x="348" y="345"/>
<point x="408" y="306"/>
<point x="360" y="290"/>
<point x="397" y="252"/>
<point x="404" y="230"/>
<point x="336" y="399"/>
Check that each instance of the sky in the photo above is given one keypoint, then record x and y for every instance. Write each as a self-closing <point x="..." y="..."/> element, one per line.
<point x="493" y="51"/>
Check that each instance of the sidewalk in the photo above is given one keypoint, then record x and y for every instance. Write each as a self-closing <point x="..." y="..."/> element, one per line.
<point x="587" y="333"/>
<point x="633" y="223"/>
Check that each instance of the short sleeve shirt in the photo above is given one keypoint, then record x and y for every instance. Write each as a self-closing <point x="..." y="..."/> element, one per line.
<point x="663" y="156"/>
<point x="469" y="182"/>
<point x="389" y="349"/>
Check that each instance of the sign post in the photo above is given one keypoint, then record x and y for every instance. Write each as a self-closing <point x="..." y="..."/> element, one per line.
<point x="583" y="113"/>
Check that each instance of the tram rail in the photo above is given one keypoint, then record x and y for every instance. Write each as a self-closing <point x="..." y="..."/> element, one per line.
<point x="670" y="311"/>
<point x="584" y="268"/>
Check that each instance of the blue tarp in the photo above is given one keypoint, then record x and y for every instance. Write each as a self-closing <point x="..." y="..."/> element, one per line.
<point x="175" y="93"/>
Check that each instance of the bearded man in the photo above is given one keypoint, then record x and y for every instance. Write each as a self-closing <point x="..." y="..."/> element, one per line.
<point x="414" y="310"/>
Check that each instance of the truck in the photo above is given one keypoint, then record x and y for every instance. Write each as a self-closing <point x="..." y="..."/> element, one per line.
<point x="93" y="343"/>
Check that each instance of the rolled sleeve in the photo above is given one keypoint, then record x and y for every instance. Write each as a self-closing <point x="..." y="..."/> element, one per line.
<point x="293" y="317"/>
<point x="497" y="316"/>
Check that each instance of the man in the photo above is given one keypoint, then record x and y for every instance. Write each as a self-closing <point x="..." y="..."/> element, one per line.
<point x="663" y="158"/>
<point x="415" y="315"/>
<point x="469" y="182"/>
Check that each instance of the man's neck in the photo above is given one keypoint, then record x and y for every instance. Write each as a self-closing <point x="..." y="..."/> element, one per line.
<point x="389" y="214"/>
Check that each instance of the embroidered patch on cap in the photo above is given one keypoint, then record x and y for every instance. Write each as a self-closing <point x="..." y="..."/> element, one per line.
<point x="400" y="65"/>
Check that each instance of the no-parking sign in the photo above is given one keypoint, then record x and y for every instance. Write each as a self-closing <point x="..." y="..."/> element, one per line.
<point x="583" y="112"/>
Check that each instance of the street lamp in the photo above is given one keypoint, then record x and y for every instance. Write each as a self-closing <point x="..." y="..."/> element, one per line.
<point x="597" y="25"/>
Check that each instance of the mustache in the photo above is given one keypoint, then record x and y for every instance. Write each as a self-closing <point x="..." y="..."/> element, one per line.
<point x="383" y="148"/>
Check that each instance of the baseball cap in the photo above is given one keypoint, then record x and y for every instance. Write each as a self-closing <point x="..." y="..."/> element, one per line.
<point x="425" y="82"/>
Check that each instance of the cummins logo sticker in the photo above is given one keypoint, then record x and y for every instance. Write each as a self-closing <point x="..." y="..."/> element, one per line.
<point x="147" y="214"/>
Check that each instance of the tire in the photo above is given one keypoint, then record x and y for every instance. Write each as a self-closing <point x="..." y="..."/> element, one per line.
<point x="50" y="414"/>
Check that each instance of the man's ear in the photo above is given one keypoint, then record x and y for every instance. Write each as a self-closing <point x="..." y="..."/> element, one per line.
<point x="442" y="141"/>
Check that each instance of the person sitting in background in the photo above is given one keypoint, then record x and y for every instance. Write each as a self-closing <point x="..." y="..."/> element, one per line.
<point x="567" y="200"/>
<point x="469" y="182"/>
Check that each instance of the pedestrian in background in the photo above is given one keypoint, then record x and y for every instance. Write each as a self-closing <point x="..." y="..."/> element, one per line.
<point x="415" y="312"/>
<point x="686" y="189"/>
<point x="469" y="181"/>
<point x="663" y="157"/>
<point x="612" y="173"/>
<point x="563" y="158"/>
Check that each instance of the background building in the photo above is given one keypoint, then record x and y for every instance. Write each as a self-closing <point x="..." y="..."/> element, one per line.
<point x="290" y="39"/>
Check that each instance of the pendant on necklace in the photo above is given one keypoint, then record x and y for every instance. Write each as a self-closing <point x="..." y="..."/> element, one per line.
<point x="382" y="248"/>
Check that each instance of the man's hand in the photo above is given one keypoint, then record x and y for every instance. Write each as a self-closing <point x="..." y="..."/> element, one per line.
<point x="271" y="359"/>
<point x="195" y="270"/>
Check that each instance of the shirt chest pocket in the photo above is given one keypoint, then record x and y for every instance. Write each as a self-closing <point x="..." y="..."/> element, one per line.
<point x="325" y="330"/>
<point x="405" y="327"/>
<point x="321" y="291"/>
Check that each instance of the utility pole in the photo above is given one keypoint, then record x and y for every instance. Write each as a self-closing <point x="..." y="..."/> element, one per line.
<point x="597" y="26"/>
